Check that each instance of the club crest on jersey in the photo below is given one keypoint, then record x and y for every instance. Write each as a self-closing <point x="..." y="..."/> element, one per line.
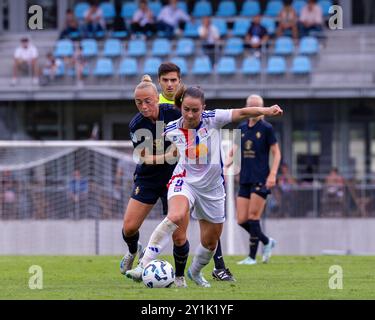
<point x="258" y="135"/>
<point x="202" y="132"/>
<point x="248" y="144"/>
<point x="158" y="143"/>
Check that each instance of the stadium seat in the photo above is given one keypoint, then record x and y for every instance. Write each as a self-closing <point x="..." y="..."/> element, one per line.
<point x="226" y="9"/>
<point x="202" y="66"/>
<point x="103" y="68"/>
<point x="273" y="8"/>
<point x="240" y="27"/>
<point x="202" y="8"/>
<point x="109" y="11"/>
<point x="89" y="47"/>
<point x="128" y="9"/>
<point x="269" y="24"/>
<point x="234" y="46"/>
<point x="185" y="47"/>
<point x="119" y="34"/>
<point x="325" y="5"/>
<point x="250" y="8"/>
<point x="112" y="48"/>
<point x="155" y="7"/>
<point x="309" y="46"/>
<point x="191" y="29"/>
<point x="298" y="5"/>
<point x="64" y="48"/>
<point x="226" y="66"/>
<point x="221" y="25"/>
<point x="251" y="66"/>
<point x="183" y="6"/>
<point x="301" y="65"/>
<point x="161" y="47"/>
<point x="181" y="62"/>
<point x="80" y="9"/>
<point x="136" y="48"/>
<point x="284" y="46"/>
<point x="151" y="66"/>
<point x="128" y="67"/>
<point x="276" y="66"/>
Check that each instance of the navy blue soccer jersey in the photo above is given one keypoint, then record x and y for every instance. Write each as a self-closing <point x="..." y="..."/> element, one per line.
<point x="255" y="149"/>
<point x="153" y="175"/>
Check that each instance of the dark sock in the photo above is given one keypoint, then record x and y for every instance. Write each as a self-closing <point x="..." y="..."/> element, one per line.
<point x="180" y="255"/>
<point x="246" y="226"/>
<point x="258" y="229"/>
<point x="131" y="241"/>
<point x="218" y="257"/>
<point x="253" y="246"/>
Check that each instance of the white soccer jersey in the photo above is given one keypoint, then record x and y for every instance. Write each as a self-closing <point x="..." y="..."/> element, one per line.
<point x="200" y="162"/>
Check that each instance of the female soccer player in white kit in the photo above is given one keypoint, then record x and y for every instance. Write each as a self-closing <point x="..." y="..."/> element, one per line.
<point x="197" y="184"/>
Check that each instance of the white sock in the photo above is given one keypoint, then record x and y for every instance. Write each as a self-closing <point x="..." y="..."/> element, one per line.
<point x="158" y="240"/>
<point x="201" y="259"/>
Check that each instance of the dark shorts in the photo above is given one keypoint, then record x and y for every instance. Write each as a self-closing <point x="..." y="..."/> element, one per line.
<point x="248" y="188"/>
<point x="150" y="195"/>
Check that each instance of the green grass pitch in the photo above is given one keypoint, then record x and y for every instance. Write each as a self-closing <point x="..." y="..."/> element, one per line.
<point x="285" y="277"/>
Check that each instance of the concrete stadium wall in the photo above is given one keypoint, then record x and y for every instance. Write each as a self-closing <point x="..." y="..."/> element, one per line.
<point x="294" y="237"/>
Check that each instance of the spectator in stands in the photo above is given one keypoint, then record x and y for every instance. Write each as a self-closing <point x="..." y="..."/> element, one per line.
<point x="257" y="36"/>
<point x="288" y="20"/>
<point x="77" y="193"/>
<point x="119" y="24"/>
<point x="335" y="184"/>
<point x="311" y="18"/>
<point x="143" y="20"/>
<point x="71" y="24"/>
<point x="284" y="193"/>
<point x="26" y="58"/>
<point x="8" y="196"/>
<point x="94" y="20"/>
<point x="171" y="19"/>
<point x="50" y="67"/>
<point x="210" y="36"/>
<point x="78" y="63"/>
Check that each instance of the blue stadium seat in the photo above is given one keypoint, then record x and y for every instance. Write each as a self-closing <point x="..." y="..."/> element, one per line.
<point x="301" y="65"/>
<point x="250" y="8"/>
<point x="185" y="47"/>
<point x="103" y="68"/>
<point x="112" y="48"/>
<point x="273" y="8"/>
<point x="64" y="48"/>
<point x="191" y="29"/>
<point x="325" y="5"/>
<point x="284" y="46"/>
<point x="119" y="34"/>
<point x="161" y="47"/>
<point x="226" y="9"/>
<point x="181" y="62"/>
<point x="226" y="66"/>
<point x="269" y="24"/>
<point x="298" y="5"/>
<point x="251" y="66"/>
<point x="202" y="8"/>
<point x="240" y="27"/>
<point x="202" y="66"/>
<point x="60" y="72"/>
<point x="128" y="67"/>
<point x="89" y="47"/>
<point x="183" y="6"/>
<point x="155" y="7"/>
<point x="128" y="9"/>
<point x="309" y="46"/>
<point x="136" y="48"/>
<point x="276" y="66"/>
<point x="151" y="66"/>
<point x="80" y="9"/>
<point x="109" y="11"/>
<point x="234" y="46"/>
<point x="221" y="25"/>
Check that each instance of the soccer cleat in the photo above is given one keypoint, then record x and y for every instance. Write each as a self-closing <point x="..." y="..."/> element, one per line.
<point x="127" y="261"/>
<point x="180" y="282"/>
<point x="223" y="275"/>
<point x="248" y="261"/>
<point x="135" y="274"/>
<point x="267" y="251"/>
<point x="199" y="279"/>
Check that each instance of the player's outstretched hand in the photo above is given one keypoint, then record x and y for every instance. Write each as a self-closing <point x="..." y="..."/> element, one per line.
<point x="275" y="110"/>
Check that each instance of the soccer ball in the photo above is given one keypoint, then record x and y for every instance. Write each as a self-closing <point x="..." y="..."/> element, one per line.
<point x="158" y="274"/>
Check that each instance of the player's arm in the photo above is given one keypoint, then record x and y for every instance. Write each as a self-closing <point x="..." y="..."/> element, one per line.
<point x="169" y="157"/>
<point x="276" y="155"/>
<point x="229" y="159"/>
<point x="251" y="112"/>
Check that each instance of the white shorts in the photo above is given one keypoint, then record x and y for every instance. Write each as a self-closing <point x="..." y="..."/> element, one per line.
<point x="209" y="206"/>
